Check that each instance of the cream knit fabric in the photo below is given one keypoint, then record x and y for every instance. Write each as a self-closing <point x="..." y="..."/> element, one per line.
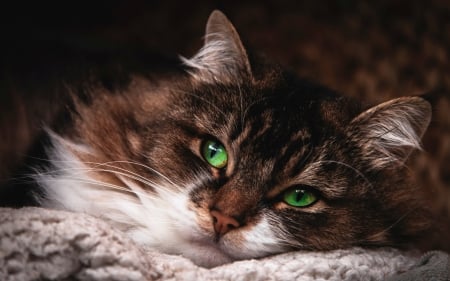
<point x="38" y="244"/>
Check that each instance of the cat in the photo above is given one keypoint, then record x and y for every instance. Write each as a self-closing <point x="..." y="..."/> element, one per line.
<point x="223" y="156"/>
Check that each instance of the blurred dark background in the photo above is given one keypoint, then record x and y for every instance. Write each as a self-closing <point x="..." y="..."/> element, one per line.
<point x="373" y="50"/>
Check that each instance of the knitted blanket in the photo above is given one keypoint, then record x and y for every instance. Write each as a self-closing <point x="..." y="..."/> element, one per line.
<point x="41" y="244"/>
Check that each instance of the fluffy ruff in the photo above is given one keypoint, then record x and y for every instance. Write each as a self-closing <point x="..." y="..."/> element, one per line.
<point x="42" y="244"/>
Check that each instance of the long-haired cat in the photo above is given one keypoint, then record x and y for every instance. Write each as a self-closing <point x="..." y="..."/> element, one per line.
<point x="223" y="156"/>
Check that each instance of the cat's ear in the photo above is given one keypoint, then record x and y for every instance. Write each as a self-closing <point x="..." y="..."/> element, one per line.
<point x="389" y="132"/>
<point x="223" y="57"/>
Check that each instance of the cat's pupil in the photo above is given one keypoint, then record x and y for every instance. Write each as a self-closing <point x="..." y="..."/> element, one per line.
<point x="213" y="150"/>
<point x="300" y="194"/>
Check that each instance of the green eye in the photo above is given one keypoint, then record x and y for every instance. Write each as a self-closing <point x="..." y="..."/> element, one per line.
<point x="300" y="197"/>
<point x="215" y="154"/>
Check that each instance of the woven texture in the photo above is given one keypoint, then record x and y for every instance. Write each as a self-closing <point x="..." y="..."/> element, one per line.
<point x="37" y="244"/>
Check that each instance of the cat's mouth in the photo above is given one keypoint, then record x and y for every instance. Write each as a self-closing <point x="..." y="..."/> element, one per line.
<point x="207" y="253"/>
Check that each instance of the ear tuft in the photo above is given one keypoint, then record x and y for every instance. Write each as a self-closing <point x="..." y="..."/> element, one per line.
<point x="223" y="57"/>
<point x="389" y="132"/>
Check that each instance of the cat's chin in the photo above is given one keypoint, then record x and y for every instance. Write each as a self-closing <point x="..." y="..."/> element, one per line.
<point x="206" y="255"/>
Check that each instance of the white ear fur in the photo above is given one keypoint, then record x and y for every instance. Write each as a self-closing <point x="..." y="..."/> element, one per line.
<point x="389" y="132"/>
<point x="222" y="57"/>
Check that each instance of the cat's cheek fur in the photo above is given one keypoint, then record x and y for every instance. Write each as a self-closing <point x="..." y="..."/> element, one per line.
<point x="167" y="221"/>
<point x="159" y="222"/>
<point x="255" y="241"/>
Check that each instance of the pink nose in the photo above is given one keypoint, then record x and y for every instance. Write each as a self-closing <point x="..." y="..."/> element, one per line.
<point x="223" y="223"/>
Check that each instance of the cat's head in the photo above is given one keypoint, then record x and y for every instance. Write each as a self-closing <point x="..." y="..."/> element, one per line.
<point x="238" y="159"/>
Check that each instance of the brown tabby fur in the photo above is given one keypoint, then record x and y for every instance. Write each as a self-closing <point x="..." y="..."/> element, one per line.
<point x="279" y="131"/>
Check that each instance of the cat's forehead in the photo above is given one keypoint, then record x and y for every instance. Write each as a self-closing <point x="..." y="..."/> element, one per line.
<point x="263" y="112"/>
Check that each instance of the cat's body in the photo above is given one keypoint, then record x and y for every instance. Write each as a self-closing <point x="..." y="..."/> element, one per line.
<point x="228" y="157"/>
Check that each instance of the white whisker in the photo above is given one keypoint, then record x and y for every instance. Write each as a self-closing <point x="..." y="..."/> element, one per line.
<point x="103" y="184"/>
<point x="147" y="167"/>
<point x="108" y="164"/>
<point x="386" y="230"/>
<point x="351" y="168"/>
<point x="82" y="170"/>
<point x="224" y="115"/>
<point x="244" y="115"/>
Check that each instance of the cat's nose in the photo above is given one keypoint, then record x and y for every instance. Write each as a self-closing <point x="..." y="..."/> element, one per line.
<point x="223" y="223"/>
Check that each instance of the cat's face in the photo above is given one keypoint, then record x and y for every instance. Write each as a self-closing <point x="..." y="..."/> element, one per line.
<point x="232" y="162"/>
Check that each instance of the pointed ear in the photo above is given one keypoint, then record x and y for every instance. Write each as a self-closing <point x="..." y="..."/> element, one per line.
<point x="389" y="132"/>
<point x="222" y="57"/>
